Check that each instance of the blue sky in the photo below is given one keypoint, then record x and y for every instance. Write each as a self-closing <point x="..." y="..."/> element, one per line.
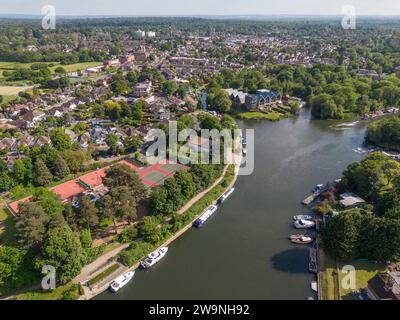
<point x="201" y="7"/>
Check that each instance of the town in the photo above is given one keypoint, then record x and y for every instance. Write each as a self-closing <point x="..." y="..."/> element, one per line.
<point x="79" y="106"/>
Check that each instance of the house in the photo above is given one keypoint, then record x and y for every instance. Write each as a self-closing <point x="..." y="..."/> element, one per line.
<point x="56" y="112"/>
<point x="384" y="287"/>
<point x="350" y="200"/>
<point x="142" y="89"/>
<point x="26" y="141"/>
<point x="261" y="99"/>
<point x="7" y="143"/>
<point x="42" y="141"/>
<point x="84" y="140"/>
<point x="72" y="135"/>
<point x="238" y="97"/>
<point x="112" y="63"/>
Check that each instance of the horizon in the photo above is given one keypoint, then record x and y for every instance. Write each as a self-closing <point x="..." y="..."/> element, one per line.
<point x="178" y="8"/>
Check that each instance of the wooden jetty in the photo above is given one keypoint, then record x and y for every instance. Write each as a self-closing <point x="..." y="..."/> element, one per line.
<point x="310" y="199"/>
<point x="312" y="265"/>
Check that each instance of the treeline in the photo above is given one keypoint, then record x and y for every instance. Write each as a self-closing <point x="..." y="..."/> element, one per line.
<point x="50" y="232"/>
<point x="8" y="53"/>
<point x="360" y="233"/>
<point x="385" y="133"/>
<point x="44" y="165"/>
<point x="331" y="91"/>
<point x="176" y="191"/>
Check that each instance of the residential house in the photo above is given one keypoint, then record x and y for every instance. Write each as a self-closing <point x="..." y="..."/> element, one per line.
<point x="42" y="141"/>
<point x="142" y="89"/>
<point x="7" y="143"/>
<point x="350" y="200"/>
<point x="384" y="287"/>
<point x="261" y="99"/>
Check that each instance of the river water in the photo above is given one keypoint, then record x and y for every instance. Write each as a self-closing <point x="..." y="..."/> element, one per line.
<point x="243" y="251"/>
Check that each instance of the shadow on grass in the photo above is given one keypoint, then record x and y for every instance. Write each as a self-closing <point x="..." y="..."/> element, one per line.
<point x="292" y="261"/>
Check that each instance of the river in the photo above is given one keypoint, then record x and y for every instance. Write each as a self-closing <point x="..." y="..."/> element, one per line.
<point x="243" y="252"/>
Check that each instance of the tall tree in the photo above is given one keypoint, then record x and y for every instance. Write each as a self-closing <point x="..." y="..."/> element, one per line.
<point x="89" y="213"/>
<point x="31" y="225"/>
<point x="60" y="168"/>
<point x="43" y="176"/>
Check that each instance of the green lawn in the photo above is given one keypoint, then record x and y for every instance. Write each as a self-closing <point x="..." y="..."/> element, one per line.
<point x="364" y="272"/>
<point x="327" y="277"/>
<point x="114" y="267"/>
<point x="70" y="291"/>
<point x="3" y="215"/>
<point x="272" y="116"/>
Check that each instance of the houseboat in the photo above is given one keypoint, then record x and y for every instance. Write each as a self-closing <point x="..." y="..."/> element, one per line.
<point x="205" y="216"/>
<point x="223" y="198"/>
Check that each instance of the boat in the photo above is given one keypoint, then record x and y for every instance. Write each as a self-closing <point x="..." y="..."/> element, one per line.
<point x="296" y="236"/>
<point x="244" y="151"/>
<point x="205" y="216"/>
<point x="318" y="188"/>
<point x="303" y="217"/>
<point x="153" y="258"/>
<point x="121" y="281"/>
<point x="225" y="196"/>
<point x="314" y="286"/>
<point x="304" y="224"/>
<point x="302" y="240"/>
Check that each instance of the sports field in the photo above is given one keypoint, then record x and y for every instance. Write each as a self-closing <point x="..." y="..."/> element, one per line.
<point x="155" y="175"/>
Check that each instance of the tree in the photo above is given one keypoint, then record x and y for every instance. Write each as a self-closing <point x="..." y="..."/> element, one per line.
<point x="60" y="70"/>
<point x="48" y="200"/>
<point x="169" y="88"/>
<point x="63" y="250"/>
<point x="112" y="142"/>
<point x="221" y="102"/>
<point x="88" y="213"/>
<point x="119" y="204"/>
<point x="75" y="159"/>
<point x="60" y="168"/>
<point x="32" y="224"/>
<point x="149" y="229"/>
<point x="85" y="237"/>
<point x="43" y="176"/>
<point x="324" y="107"/>
<point x="134" y="143"/>
<point x="340" y="237"/>
<point x="11" y="259"/>
<point x="121" y="175"/>
<point x="60" y="140"/>
<point x="209" y="122"/>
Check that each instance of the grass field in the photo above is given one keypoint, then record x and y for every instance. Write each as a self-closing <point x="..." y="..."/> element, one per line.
<point x="57" y="294"/>
<point x="365" y="271"/>
<point x="328" y="277"/>
<point x="13" y="90"/>
<point x="272" y="116"/>
<point x="10" y="66"/>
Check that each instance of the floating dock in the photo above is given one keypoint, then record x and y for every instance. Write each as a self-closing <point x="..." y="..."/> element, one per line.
<point x="310" y="199"/>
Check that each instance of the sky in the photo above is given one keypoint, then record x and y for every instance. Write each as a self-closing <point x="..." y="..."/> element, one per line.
<point x="200" y="7"/>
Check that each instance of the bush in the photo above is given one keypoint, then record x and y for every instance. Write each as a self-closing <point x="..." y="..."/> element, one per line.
<point x="128" y="235"/>
<point x="135" y="253"/>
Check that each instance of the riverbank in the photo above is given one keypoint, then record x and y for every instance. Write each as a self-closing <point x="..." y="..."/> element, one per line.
<point x="198" y="204"/>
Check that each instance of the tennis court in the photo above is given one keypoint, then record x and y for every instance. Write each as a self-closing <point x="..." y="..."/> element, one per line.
<point x="155" y="175"/>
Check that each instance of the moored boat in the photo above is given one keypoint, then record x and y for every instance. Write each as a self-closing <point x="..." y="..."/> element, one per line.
<point x="153" y="258"/>
<point x="225" y="196"/>
<point x="304" y="224"/>
<point x="314" y="286"/>
<point x="121" y="281"/>
<point x="302" y="240"/>
<point x="303" y="217"/>
<point x="205" y="216"/>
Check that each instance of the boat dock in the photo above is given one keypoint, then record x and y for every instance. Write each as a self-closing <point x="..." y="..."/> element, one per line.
<point x="310" y="199"/>
<point x="312" y="265"/>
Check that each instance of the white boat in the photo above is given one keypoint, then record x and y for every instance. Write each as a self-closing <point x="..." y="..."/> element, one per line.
<point x="303" y="217"/>
<point x="225" y="196"/>
<point x="304" y="224"/>
<point x="205" y="216"/>
<point x="314" y="286"/>
<point x="154" y="257"/>
<point x="121" y="281"/>
<point x="302" y="240"/>
<point x="244" y="151"/>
